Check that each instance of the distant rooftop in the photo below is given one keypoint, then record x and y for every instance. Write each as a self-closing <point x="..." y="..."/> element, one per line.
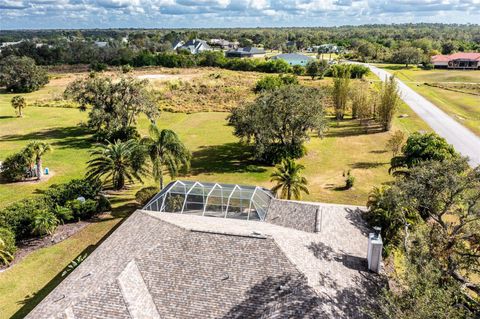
<point x="292" y="56"/>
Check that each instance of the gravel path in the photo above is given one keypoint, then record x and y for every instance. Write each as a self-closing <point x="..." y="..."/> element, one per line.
<point x="464" y="141"/>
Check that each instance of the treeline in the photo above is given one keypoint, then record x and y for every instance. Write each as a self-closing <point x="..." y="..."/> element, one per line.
<point x="383" y="43"/>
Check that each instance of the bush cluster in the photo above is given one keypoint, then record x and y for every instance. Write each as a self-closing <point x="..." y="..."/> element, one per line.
<point x="62" y="201"/>
<point x="14" y="166"/>
<point x="210" y="59"/>
<point x="357" y="71"/>
<point x="144" y="195"/>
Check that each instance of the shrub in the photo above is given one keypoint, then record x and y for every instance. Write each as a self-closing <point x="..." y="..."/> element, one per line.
<point x="271" y="82"/>
<point x="44" y="223"/>
<point x="242" y="64"/>
<point x="268" y="83"/>
<point x="145" y="194"/>
<point x="428" y="66"/>
<point x="59" y="195"/>
<point x="64" y="214"/>
<point x="18" y="217"/>
<point x="298" y="70"/>
<point x="83" y="210"/>
<point x="103" y="204"/>
<point x="127" y="68"/>
<point x="357" y="71"/>
<point x="172" y="60"/>
<point x="7" y="245"/>
<point x="349" y="179"/>
<point x="274" y="66"/>
<point x="14" y="167"/>
<point x="98" y="67"/>
<point x="211" y="58"/>
<point x="122" y="134"/>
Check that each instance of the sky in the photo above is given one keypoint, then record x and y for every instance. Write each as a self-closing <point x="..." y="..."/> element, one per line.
<point x="71" y="14"/>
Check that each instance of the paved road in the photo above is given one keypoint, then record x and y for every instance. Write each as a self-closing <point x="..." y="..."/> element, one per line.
<point x="464" y="141"/>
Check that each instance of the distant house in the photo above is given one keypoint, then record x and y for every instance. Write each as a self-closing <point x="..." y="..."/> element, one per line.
<point x="247" y="52"/>
<point x="8" y="44"/>
<point x="293" y="58"/>
<point x="224" y="44"/>
<point x="194" y="46"/>
<point x="461" y="60"/>
<point x="324" y="48"/>
<point x="177" y="44"/>
<point x="101" y="44"/>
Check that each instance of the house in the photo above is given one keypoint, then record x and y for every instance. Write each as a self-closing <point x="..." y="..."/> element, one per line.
<point x="461" y="60"/>
<point x="100" y="44"/>
<point x="224" y="44"/>
<point x="211" y="250"/>
<point x="247" y="52"/>
<point x="4" y="45"/>
<point x="293" y="58"/>
<point x="8" y="44"/>
<point x="194" y="46"/>
<point x="324" y="48"/>
<point x="177" y="44"/>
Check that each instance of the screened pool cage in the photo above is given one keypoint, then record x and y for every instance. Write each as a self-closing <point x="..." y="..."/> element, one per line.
<point x="212" y="199"/>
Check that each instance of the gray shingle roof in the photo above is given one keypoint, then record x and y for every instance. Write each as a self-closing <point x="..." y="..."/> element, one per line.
<point x="164" y="265"/>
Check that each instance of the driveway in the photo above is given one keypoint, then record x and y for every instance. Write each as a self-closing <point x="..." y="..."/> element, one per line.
<point x="464" y="141"/>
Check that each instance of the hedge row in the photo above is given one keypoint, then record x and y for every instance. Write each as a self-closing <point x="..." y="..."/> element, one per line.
<point x="69" y="202"/>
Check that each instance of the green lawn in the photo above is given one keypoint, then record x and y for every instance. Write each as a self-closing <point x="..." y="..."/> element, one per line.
<point x="463" y="107"/>
<point x="217" y="156"/>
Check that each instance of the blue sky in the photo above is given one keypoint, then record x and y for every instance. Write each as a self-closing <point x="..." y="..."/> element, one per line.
<point x="39" y="14"/>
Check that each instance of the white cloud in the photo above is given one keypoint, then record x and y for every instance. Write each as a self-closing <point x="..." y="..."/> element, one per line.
<point x="230" y="13"/>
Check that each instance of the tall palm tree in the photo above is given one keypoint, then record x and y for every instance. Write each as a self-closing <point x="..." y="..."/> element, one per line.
<point x="289" y="181"/>
<point x="36" y="150"/>
<point x="167" y="153"/>
<point x="5" y="255"/>
<point x="117" y="163"/>
<point x="19" y="103"/>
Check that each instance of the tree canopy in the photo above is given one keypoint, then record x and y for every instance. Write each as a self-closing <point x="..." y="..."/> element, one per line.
<point x="421" y="147"/>
<point x="278" y="122"/>
<point x="21" y="74"/>
<point x="114" y="105"/>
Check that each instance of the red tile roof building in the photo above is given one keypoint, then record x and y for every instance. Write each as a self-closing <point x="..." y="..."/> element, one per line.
<point x="461" y="60"/>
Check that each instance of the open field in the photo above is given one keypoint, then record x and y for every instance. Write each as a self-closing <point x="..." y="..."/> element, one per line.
<point x="217" y="156"/>
<point x="454" y="91"/>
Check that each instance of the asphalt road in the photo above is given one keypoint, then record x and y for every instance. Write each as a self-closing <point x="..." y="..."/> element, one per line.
<point x="464" y="140"/>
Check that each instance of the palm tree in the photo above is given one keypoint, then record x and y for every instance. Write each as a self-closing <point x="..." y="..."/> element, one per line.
<point x="167" y="153"/>
<point x="289" y="181"/>
<point x="118" y="163"/>
<point x="45" y="223"/>
<point x="5" y="255"/>
<point x="36" y="151"/>
<point x="18" y="103"/>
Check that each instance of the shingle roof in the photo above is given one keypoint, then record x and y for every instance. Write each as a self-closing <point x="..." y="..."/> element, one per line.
<point x="164" y="265"/>
<point x="251" y="50"/>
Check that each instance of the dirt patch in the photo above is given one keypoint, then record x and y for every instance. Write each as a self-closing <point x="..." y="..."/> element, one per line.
<point x="166" y="77"/>
<point x="27" y="246"/>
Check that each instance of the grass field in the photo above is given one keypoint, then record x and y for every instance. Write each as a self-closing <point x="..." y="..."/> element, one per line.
<point x="454" y="96"/>
<point x="217" y="156"/>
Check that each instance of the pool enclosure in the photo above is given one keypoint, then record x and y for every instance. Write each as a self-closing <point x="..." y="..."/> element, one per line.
<point x="212" y="199"/>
